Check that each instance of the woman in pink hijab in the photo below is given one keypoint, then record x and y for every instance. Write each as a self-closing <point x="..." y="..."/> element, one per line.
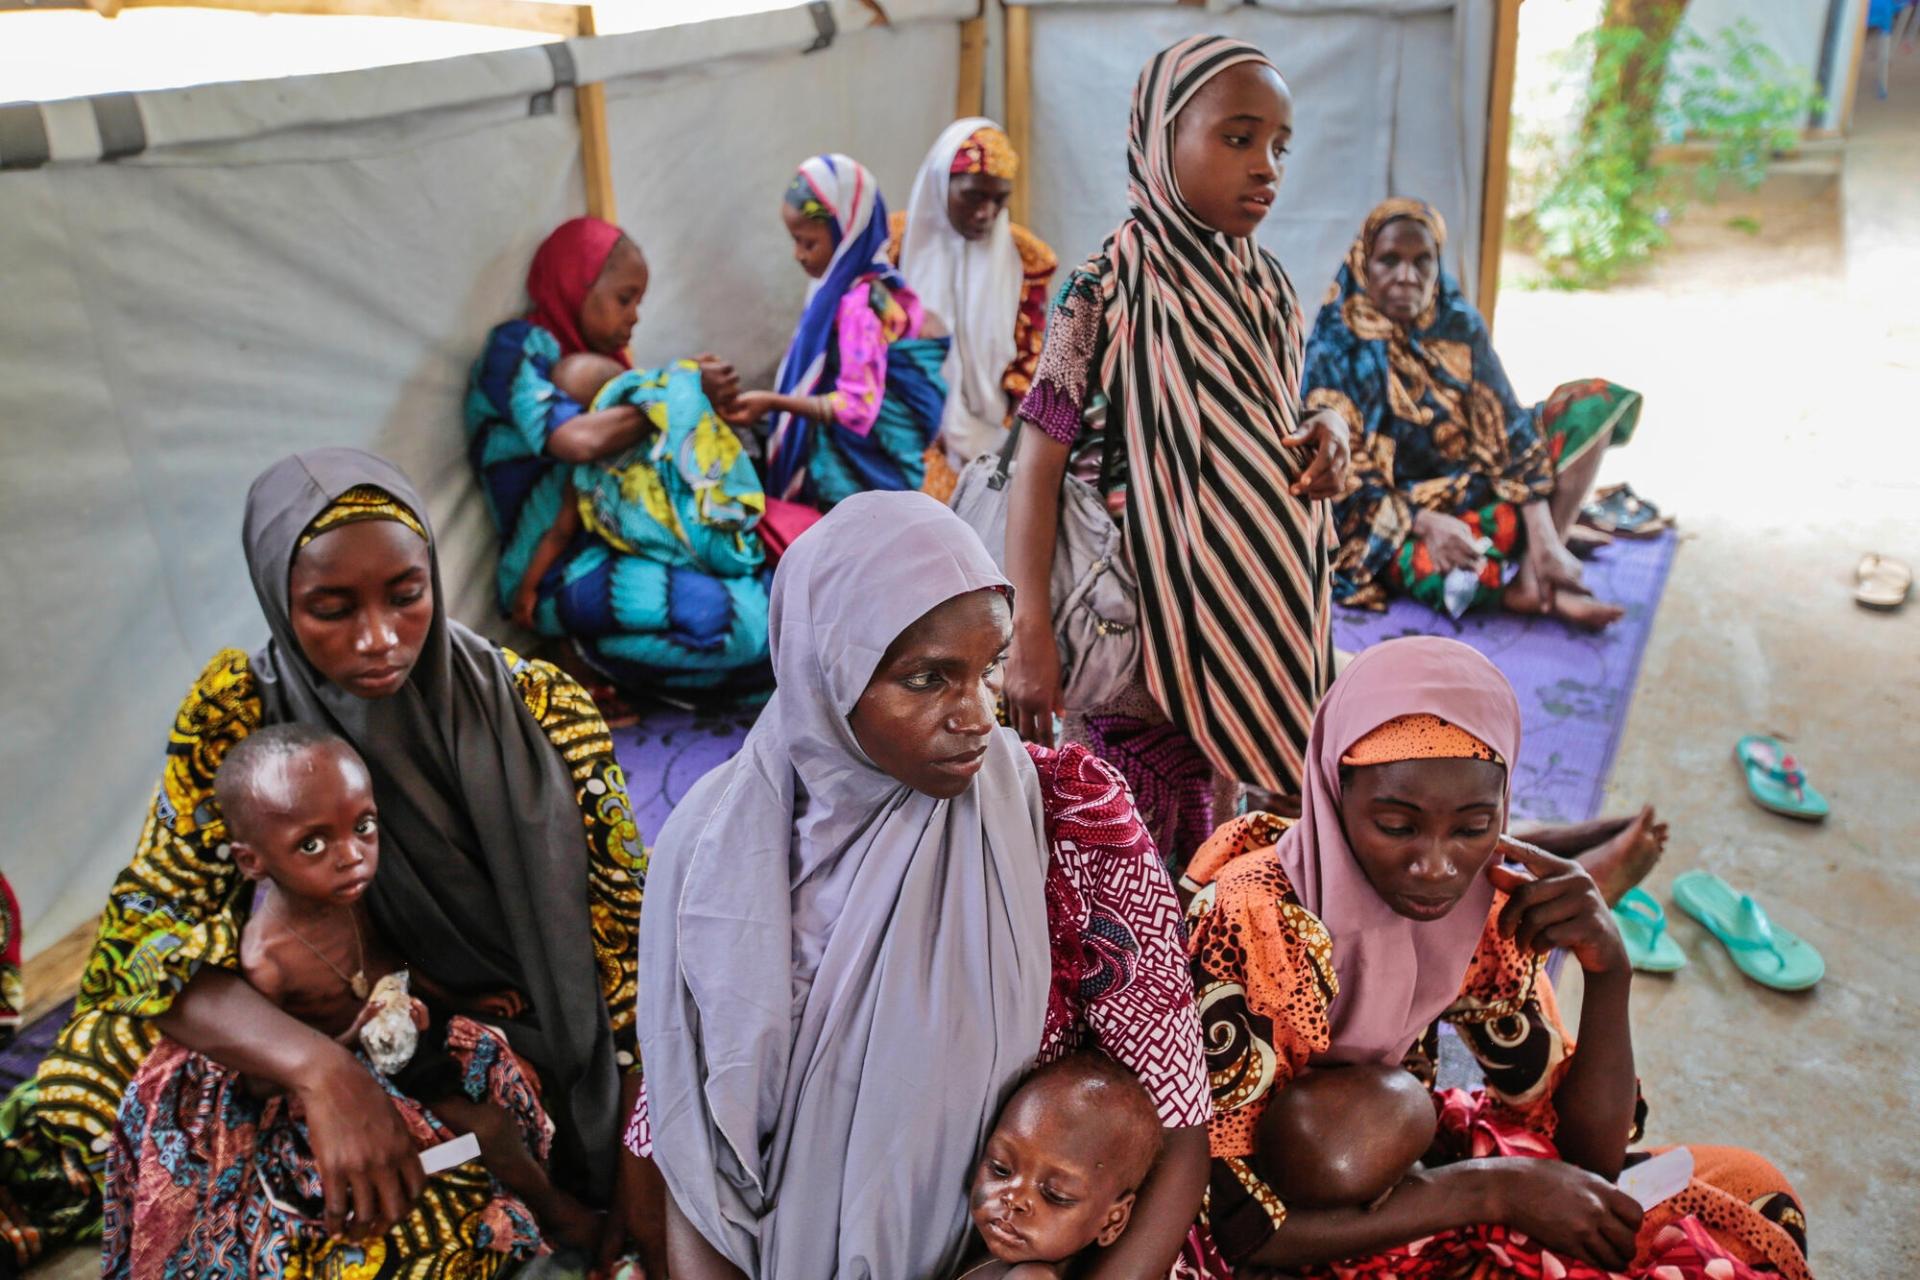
<point x="1326" y="951"/>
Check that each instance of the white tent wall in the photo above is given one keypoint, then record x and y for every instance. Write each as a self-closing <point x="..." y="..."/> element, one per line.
<point x="315" y="261"/>
<point x="1389" y="98"/>
<point x="702" y="157"/>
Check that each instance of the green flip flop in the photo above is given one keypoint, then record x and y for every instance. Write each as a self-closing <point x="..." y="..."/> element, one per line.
<point x="1775" y="780"/>
<point x="1763" y="950"/>
<point x="1643" y="927"/>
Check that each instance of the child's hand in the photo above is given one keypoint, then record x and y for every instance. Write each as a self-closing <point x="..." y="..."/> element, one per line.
<point x="718" y="380"/>
<point x="525" y="601"/>
<point x="350" y="1038"/>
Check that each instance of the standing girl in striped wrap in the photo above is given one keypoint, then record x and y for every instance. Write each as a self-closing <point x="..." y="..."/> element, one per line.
<point x="1170" y="381"/>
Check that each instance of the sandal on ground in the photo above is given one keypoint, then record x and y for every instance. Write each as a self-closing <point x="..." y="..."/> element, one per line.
<point x="1775" y="779"/>
<point x="1881" y="582"/>
<point x="1643" y="928"/>
<point x="1761" y="949"/>
<point x="1618" y="510"/>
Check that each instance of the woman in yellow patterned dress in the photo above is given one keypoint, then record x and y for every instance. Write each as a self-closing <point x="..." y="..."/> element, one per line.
<point x="483" y="762"/>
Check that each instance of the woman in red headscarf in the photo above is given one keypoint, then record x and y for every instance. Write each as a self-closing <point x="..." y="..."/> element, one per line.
<point x="645" y="617"/>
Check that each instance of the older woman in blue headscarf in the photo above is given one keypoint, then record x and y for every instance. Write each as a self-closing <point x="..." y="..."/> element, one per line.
<point x="1450" y="471"/>
<point x="860" y="393"/>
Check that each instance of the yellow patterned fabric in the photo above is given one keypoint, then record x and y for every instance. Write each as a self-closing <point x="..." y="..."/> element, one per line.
<point x="181" y="903"/>
<point x="364" y="503"/>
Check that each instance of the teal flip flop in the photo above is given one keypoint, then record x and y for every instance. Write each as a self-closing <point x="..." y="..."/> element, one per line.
<point x="1643" y="927"/>
<point x="1775" y="780"/>
<point x="1763" y="950"/>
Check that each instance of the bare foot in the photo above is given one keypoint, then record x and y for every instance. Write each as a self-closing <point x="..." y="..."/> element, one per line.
<point x="1522" y="595"/>
<point x="1622" y="862"/>
<point x="1586" y="612"/>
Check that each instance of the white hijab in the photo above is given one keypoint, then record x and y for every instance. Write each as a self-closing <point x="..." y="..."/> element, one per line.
<point x="973" y="285"/>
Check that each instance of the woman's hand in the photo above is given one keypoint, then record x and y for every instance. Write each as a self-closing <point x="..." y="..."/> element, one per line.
<point x="747" y="408"/>
<point x="1555" y="903"/>
<point x="1554" y="567"/>
<point x="1449" y="540"/>
<point x="1032" y="686"/>
<point x="1566" y="1209"/>
<point x="370" y="1173"/>
<point x="1326" y="476"/>
<point x="637" y="1218"/>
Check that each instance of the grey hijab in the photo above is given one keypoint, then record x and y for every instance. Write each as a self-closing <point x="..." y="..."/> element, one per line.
<point x="845" y="975"/>
<point x="483" y="855"/>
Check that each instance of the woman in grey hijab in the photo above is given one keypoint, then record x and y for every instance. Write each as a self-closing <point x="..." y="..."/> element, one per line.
<point x="867" y="925"/>
<point x="510" y="868"/>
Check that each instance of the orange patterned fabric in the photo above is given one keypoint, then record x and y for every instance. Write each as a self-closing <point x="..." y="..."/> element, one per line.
<point x="1421" y="736"/>
<point x="988" y="151"/>
<point x="1262" y="966"/>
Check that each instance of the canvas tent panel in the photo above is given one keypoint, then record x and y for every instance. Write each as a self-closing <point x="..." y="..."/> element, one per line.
<point x="702" y="158"/>
<point x="1358" y="138"/>
<point x="316" y="261"/>
<point x="172" y="328"/>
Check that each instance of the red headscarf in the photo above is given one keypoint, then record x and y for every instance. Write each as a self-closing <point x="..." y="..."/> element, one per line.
<point x="563" y="271"/>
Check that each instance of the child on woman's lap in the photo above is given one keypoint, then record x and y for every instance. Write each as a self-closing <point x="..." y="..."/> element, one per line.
<point x="1061" y="1168"/>
<point x="1313" y="1154"/>
<point x="301" y="820"/>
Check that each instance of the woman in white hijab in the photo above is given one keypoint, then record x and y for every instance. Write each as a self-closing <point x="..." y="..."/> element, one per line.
<point x="873" y="920"/>
<point x="987" y="277"/>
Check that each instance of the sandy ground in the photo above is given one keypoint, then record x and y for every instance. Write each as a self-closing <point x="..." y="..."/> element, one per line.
<point x="1782" y="373"/>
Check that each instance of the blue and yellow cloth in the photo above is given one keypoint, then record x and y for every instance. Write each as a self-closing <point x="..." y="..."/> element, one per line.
<point x="664" y="587"/>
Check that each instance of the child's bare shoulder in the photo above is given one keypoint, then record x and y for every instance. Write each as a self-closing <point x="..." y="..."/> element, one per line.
<point x="260" y="960"/>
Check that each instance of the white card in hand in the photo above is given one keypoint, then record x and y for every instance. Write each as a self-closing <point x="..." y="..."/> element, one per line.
<point x="1659" y="1179"/>
<point x="459" y="1151"/>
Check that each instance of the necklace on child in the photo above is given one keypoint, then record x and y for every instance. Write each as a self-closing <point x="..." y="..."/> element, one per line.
<point x="358" y="982"/>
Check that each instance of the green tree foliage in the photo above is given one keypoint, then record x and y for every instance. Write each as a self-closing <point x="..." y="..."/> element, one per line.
<point x="1606" y="202"/>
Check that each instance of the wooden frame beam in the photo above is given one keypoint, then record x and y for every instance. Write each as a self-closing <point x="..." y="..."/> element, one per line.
<point x="971" y="99"/>
<point x="1853" y="70"/>
<point x="1493" y="193"/>
<point x="1019" y="120"/>
<point x="596" y="152"/>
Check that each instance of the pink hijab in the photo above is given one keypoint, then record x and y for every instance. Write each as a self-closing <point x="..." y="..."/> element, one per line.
<point x="1396" y="975"/>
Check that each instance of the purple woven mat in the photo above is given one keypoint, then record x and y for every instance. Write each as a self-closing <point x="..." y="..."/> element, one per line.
<point x="1574" y="687"/>
<point x="669" y="751"/>
<point x="22" y="1058"/>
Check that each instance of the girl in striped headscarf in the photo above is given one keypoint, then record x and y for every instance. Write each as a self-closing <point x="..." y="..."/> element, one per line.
<point x="1170" y="380"/>
<point x="860" y="392"/>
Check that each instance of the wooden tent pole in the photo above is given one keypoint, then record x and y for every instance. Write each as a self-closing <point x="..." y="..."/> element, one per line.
<point x="971" y="100"/>
<point x="596" y="158"/>
<point x="1493" y="196"/>
<point x="1020" y="97"/>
